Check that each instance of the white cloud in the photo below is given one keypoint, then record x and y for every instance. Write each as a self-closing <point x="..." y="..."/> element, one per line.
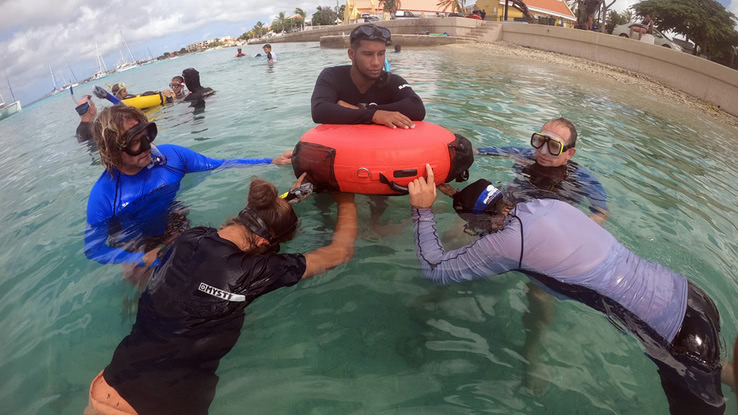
<point x="37" y="33"/>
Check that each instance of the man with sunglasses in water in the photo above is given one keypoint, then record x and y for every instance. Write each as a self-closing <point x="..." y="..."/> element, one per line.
<point x="87" y="111"/>
<point x="131" y="210"/>
<point x="365" y="92"/>
<point x="546" y="172"/>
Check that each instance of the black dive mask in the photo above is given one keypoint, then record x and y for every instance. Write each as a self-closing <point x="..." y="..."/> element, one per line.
<point x="149" y="130"/>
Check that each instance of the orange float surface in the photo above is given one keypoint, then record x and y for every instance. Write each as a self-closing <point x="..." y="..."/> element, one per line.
<point x="374" y="159"/>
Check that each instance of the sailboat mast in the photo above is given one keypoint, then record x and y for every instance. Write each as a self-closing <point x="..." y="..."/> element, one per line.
<point x="9" y="87"/>
<point x="70" y="70"/>
<point x="52" y="77"/>
<point x="133" y="60"/>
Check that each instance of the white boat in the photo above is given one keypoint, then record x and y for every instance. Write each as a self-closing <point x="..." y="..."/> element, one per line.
<point x="6" y="110"/>
<point x="102" y="69"/>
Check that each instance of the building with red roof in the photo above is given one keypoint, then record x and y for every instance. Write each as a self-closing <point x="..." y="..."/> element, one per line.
<point x="555" y="12"/>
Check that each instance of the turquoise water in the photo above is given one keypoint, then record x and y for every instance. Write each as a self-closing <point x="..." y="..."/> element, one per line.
<point x="370" y="337"/>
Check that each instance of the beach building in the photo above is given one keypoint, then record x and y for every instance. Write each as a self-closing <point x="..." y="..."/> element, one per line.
<point x="553" y="12"/>
<point x="421" y="8"/>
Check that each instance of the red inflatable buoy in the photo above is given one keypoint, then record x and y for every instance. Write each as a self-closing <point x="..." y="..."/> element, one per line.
<point x="374" y="159"/>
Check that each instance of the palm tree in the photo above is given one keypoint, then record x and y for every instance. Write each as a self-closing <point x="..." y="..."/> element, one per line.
<point x="390" y="6"/>
<point x="259" y="28"/>
<point x="300" y="12"/>
<point x="282" y="20"/>
<point x="456" y="6"/>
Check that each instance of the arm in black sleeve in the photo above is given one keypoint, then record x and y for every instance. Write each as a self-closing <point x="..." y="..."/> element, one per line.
<point x="404" y="100"/>
<point x="325" y="109"/>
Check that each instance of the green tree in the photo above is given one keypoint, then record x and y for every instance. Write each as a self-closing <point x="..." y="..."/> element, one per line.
<point x="282" y="19"/>
<point x="258" y="29"/>
<point x="277" y="26"/>
<point x="615" y="19"/>
<point x="390" y="6"/>
<point x="301" y="22"/>
<point x="324" y="15"/>
<point x="706" y="22"/>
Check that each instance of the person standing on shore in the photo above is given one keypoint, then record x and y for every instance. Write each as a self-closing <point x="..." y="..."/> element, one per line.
<point x="364" y="93"/>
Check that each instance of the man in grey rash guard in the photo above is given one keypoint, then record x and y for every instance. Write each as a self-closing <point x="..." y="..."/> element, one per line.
<point x="545" y="171"/>
<point x="558" y="246"/>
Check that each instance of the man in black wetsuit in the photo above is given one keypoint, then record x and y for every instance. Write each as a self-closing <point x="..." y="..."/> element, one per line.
<point x="197" y="91"/>
<point x="87" y="111"/>
<point x="364" y="93"/>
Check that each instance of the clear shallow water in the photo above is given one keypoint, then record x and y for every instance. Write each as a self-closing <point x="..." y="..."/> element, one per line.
<point x="372" y="336"/>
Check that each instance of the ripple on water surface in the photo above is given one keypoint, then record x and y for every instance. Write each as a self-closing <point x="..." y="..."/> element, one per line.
<point x="371" y="336"/>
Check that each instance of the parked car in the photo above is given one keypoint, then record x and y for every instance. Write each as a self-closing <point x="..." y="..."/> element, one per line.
<point x="369" y="18"/>
<point x="660" y="39"/>
<point x="404" y="14"/>
<point x="455" y="15"/>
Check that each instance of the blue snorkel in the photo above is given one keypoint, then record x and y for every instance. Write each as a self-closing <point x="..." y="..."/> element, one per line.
<point x="103" y="94"/>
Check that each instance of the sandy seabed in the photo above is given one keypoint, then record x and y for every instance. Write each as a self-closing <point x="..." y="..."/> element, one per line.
<point x="637" y="81"/>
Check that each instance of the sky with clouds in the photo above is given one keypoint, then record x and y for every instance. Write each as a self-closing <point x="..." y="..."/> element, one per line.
<point x="37" y="33"/>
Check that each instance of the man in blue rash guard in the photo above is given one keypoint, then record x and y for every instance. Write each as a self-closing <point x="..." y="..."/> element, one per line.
<point x="557" y="246"/>
<point x="545" y="172"/>
<point x="131" y="209"/>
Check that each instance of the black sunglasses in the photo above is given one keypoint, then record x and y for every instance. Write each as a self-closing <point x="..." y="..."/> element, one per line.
<point x="150" y="131"/>
<point x="371" y="32"/>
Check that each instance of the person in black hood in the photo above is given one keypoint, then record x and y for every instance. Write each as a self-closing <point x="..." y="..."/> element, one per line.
<point x="197" y="91"/>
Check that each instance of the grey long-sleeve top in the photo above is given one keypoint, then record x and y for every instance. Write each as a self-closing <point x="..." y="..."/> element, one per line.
<point x="562" y="243"/>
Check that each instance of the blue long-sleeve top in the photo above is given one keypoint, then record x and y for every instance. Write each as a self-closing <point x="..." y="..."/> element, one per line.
<point x="127" y="207"/>
<point x="571" y="183"/>
<point x="553" y="240"/>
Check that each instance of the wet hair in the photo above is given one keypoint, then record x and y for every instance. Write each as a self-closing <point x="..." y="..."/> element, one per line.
<point x="398" y="48"/>
<point x="572" y="141"/>
<point x="179" y="78"/>
<point x="109" y="131"/>
<point x="268" y="45"/>
<point x="277" y="214"/>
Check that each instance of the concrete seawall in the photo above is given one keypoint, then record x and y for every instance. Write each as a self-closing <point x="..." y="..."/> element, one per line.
<point x="713" y="83"/>
<point x="701" y="78"/>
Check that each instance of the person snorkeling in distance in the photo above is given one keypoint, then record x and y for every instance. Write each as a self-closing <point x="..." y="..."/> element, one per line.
<point x="398" y="48"/>
<point x="271" y="56"/>
<point x="559" y="247"/>
<point x="87" y="111"/>
<point x="131" y="210"/>
<point x="192" y="312"/>
<point x="364" y="92"/>
<point x="178" y="89"/>
<point x="197" y="91"/>
<point x="239" y="54"/>
<point x="120" y="91"/>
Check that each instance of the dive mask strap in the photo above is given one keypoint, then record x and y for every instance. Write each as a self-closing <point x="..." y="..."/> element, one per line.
<point x="256" y="225"/>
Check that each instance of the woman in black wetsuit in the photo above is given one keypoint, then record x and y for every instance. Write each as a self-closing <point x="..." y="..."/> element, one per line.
<point x="191" y="313"/>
